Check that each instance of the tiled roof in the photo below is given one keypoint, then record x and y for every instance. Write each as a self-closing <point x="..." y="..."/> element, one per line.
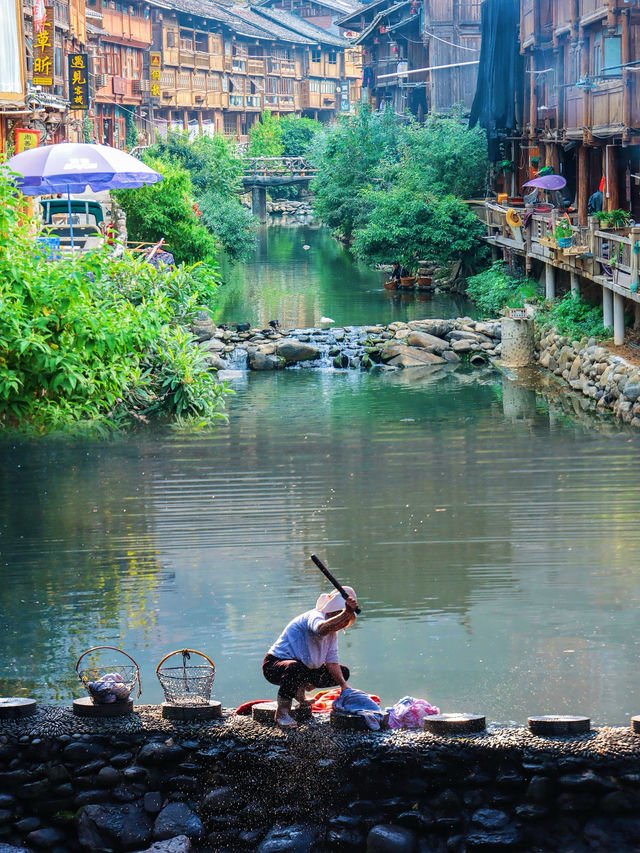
<point x="251" y="17"/>
<point x="299" y="25"/>
<point x="344" y="6"/>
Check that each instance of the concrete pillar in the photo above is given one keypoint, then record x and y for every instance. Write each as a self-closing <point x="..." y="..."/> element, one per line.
<point x="607" y="307"/>
<point x="575" y="285"/>
<point x="259" y="203"/>
<point x="549" y="281"/>
<point x="518" y="346"/>
<point x="618" y="319"/>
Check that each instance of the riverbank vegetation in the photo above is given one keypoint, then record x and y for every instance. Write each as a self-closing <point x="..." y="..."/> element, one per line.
<point x="393" y="189"/>
<point x="96" y="341"/>
<point x="497" y="288"/>
<point x="205" y="183"/>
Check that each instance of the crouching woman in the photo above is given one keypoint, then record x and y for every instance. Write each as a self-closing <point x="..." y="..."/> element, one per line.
<point x="305" y="655"/>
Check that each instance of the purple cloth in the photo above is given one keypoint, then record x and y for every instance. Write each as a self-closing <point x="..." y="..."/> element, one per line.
<point x="69" y="166"/>
<point x="547" y="182"/>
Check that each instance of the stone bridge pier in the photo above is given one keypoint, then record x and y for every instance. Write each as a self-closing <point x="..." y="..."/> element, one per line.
<point x="259" y="202"/>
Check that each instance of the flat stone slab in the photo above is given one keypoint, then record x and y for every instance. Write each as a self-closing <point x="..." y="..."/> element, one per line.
<point x="559" y="724"/>
<point x="354" y="722"/>
<point x="265" y="713"/>
<point x="85" y="708"/>
<point x="635" y="725"/>
<point x="15" y="706"/>
<point x="211" y="711"/>
<point x="454" y="724"/>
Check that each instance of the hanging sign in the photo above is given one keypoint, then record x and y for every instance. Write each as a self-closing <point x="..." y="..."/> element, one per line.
<point x="345" y="104"/>
<point x="43" y="52"/>
<point x="155" y="65"/>
<point x="78" y="81"/>
<point x="26" y="139"/>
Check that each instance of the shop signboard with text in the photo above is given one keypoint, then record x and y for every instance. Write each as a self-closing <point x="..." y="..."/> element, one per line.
<point x="78" y="81"/>
<point x="43" y="51"/>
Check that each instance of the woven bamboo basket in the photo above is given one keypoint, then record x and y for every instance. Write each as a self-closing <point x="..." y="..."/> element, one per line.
<point x="188" y="684"/>
<point x="109" y="683"/>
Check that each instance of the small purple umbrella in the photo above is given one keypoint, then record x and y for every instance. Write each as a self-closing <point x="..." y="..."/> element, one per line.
<point x="547" y="182"/>
<point x="71" y="166"/>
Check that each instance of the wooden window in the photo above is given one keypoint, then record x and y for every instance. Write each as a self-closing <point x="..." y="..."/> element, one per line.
<point x="171" y="38"/>
<point x="202" y="42"/>
<point x="186" y="39"/>
<point x="612" y="56"/>
<point x="214" y="83"/>
<point x="333" y="57"/>
<point x="316" y="55"/>
<point x="314" y="86"/>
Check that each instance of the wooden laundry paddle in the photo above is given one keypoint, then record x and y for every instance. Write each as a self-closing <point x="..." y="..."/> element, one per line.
<point x="325" y="571"/>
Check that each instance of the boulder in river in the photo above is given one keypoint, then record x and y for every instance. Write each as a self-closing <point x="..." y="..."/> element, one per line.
<point x="402" y="356"/>
<point x="438" y="328"/>
<point x="427" y="341"/>
<point x="293" y="350"/>
<point x="264" y="361"/>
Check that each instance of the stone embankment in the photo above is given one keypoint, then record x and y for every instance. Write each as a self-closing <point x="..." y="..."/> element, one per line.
<point x="70" y="784"/>
<point x="610" y="381"/>
<point x="418" y="343"/>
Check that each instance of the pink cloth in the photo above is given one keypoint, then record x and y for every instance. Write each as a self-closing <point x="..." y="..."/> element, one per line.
<point x="409" y="713"/>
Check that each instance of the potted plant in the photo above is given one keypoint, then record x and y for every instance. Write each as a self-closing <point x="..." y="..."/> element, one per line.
<point x="563" y="232"/>
<point x="613" y="218"/>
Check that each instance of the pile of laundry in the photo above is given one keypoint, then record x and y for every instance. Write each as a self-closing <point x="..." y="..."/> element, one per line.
<point x="407" y="713"/>
<point x="109" y="688"/>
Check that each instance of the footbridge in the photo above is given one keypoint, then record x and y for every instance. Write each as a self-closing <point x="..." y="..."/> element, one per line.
<point x="260" y="173"/>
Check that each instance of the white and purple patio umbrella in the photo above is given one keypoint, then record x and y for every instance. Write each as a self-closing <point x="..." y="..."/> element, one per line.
<point x="69" y="167"/>
<point x="547" y="182"/>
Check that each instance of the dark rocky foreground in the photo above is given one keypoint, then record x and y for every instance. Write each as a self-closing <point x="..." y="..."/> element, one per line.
<point x="69" y="784"/>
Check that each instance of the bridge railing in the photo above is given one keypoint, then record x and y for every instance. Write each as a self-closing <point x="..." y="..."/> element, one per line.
<point x="278" y="166"/>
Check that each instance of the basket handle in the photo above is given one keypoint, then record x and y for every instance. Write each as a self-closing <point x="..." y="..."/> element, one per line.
<point x="182" y="651"/>
<point x="122" y="652"/>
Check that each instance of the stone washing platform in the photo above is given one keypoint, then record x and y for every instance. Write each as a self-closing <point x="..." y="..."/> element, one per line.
<point x="69" y="784"/>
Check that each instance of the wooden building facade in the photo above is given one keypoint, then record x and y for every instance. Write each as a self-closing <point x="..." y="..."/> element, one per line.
<point x="418" y="56"/>
<point x="577" y="115"/>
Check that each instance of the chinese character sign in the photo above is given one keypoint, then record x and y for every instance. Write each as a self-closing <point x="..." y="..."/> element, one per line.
<point x="78" y="81"/>
<point x="155" y="65"/>
<point x="26" y="139"/>
<point x="43" y="51"/>
<point x="39" y="15"/>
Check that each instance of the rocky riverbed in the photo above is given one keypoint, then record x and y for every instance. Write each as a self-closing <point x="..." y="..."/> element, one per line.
<point x="418" y="343"/>
<point x="69" y="784"/>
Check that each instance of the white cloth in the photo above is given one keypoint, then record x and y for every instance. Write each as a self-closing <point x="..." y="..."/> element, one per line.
<point x="300" y="641"/>
<point x="332" y="601"/>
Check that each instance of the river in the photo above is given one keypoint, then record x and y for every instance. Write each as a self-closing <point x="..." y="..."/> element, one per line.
<point x="488" y="528"/>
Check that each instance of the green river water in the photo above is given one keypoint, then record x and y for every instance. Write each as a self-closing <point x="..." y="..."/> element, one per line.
<point x="487" y="525"/>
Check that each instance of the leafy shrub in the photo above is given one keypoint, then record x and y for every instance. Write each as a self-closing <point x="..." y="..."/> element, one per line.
<point x="573" y="317"/>
<point x="166" y="209"/>
<point x="496" y="287"/>
<point x="76" y="333"/>
<point x="233" y="225"/>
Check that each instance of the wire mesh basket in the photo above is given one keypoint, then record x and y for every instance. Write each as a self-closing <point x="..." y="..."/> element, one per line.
<point x="189" y="684"/>
<point x="109" y="683"/>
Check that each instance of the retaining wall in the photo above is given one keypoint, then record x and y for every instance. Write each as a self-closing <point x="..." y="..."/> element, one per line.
<point x="69" y="784"/>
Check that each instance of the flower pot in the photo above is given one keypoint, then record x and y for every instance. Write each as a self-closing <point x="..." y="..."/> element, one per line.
<point x="564" y="242"/>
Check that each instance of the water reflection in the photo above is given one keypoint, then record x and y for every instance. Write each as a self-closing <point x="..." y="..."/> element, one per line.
<point x="297" y="286"/>
<point x="488" y="527"/>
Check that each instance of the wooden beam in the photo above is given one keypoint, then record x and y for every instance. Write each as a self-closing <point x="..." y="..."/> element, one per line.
<point x="583" y="184"/>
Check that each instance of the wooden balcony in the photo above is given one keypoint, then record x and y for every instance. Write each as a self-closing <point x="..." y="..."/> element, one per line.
<point x="124" y="26"/>
<point x="256" y="67"/>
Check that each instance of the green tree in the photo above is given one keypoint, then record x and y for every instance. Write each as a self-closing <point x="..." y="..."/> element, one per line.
<point x="265" y="137"/>
<point x="234" y="226"/>
<point x="213" y="163"/>
<point x="297" y="134"/>
<point x="166" y="209"/>
<point x="347" y="156"/>
<point x="407" y="226"/>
